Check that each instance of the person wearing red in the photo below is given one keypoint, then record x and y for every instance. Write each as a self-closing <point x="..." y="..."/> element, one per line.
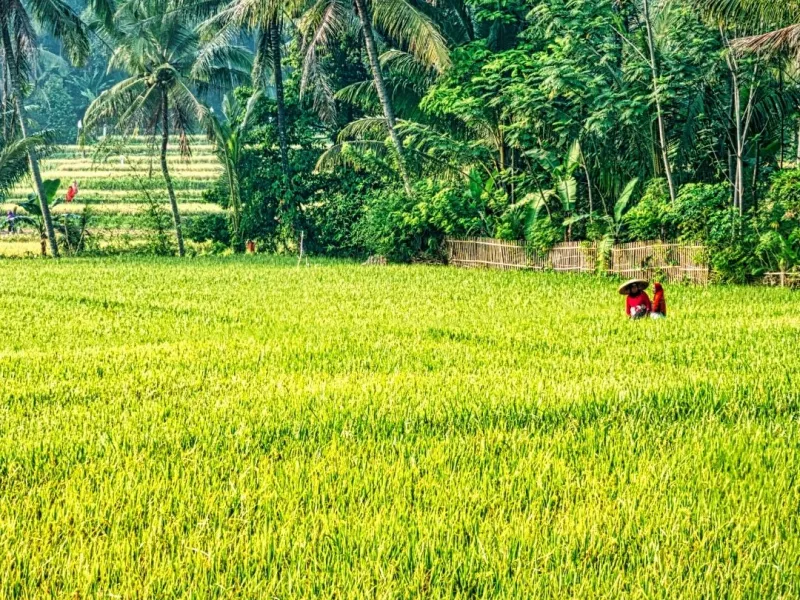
<point x="637" y="303"/>
<point x="72" y="191"/>
<point x="659" y="310"/>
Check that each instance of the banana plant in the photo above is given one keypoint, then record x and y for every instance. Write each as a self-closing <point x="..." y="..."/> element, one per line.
<point x="33" y="210"/>
<point x="616" y="220"/>
<point x="228" y="136"/>
<point x="783" y="250"/>
<point x="564" y="189"/>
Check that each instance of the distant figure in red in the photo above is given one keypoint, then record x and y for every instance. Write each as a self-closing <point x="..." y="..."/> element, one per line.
<point x="659" y="303"/>
<point x="72" y="191"/>
<point x="637" y="303"/>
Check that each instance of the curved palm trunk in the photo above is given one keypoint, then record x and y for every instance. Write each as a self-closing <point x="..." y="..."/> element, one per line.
<point x="236" y="205"/>
<point x="380" y="87"/>
<point x="33" y="157"/>
<point x="277" y="71"/>
<point x="173" y="203"/>
<point x="6" y="105"/>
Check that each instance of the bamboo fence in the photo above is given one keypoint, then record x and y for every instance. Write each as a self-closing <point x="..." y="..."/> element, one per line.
<point x="646" y="260"/>
<point x="783" y="279"/>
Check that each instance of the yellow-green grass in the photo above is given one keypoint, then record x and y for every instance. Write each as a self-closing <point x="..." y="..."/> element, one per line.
<point x="244" y="428"/>
<point x="19" y="246"/>
<point x="106" y="239"/>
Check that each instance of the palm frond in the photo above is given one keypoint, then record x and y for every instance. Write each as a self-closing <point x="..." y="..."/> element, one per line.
<point x="186" y="108"/>
<point x="361" y="93"/>
<point x="262" y="61"/>
<point x="64" y="24"/>
<point x="347" y="154"/>
<point x="123" y="101"/>
<point x="366" y="128"/>
<point x="784" y="41"/>
<point x="13" y="158"/>
<point x="753" y="13"/>
<point x="408" y="25"/>
<point x="405" y="64"/>
<point x="319" y="26"/>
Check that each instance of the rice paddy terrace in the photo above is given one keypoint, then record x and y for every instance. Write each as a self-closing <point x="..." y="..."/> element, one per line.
<point x="118" y="188"/>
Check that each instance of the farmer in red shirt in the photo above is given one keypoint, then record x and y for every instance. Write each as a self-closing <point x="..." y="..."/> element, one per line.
<point x="637" y="303"/>
<point x="72" y="191"/>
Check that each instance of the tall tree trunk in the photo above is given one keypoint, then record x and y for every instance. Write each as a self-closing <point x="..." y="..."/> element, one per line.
<point x="797" y="155"/>
<point x="6" y="105"/>
<point x="380" y="87"/>
<point x="756" y="173"/>
<point x="783" y="123"/>
<point x="741" y="120"/>
<point x="588" y="185"/>
<point x="236" y="205"/>
<point x="173" y="203"/>
<point x="738" y="179"/>
<point x="662" y="134"/>
<point x="465" y="18"/>
<point x="33" y="157"/>
<point x="277" y="72"/>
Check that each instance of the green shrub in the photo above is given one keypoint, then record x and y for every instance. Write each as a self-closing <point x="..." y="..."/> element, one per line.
<point x="653" y="217"/>
<point x="398" y="227"/>
<point x="705" y="215"/>
<point x="700" y="210"/>
<point x="330" y="224"/>
<point x="785" y="192"/>
<point x="214" y="227"/>
<point x="778" y="223"/>
<point x="544" y="233"/>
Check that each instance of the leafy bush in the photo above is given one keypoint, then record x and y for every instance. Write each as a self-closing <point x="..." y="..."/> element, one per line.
<point x="704" y="215"/>
<point x="700" y="211"/>
<point x="215" y="227"/>
<point x="331" y="220"/>
<point x="785" y="192"/>
<point x="398" y="227"/>
<point x="778" y="223"/>
<point x="544" y="233"/>
<point x="653" y="217"/>
<point x="159" y="238"/>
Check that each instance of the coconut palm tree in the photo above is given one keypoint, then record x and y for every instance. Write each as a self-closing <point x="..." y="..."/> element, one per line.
<point x="228" y="137"/>
<point x="774" y="24"/>
<point x="18" y="40"/>
<point x="266" y="19"/>
<point x="168" y="68"/>
<point x="399" y="20"/>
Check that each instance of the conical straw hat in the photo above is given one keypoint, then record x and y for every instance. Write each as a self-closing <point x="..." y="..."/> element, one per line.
<point x="642" y="283"/>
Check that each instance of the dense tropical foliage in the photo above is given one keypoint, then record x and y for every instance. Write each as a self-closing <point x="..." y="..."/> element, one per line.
<point x="382" y="126"/>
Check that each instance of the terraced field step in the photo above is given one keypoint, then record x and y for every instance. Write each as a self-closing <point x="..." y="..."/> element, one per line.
<point x="141" y="166"/>
<point x="117" y="188"/>
<point x="124" y="208"/>
<point x="120" y="184"/>
<point x="88" y="194"/>
<point x="74" y="151"/>
<point x="188" y="171"/>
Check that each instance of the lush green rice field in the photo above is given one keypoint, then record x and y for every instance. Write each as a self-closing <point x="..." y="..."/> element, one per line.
<point x="244" y="428"/>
